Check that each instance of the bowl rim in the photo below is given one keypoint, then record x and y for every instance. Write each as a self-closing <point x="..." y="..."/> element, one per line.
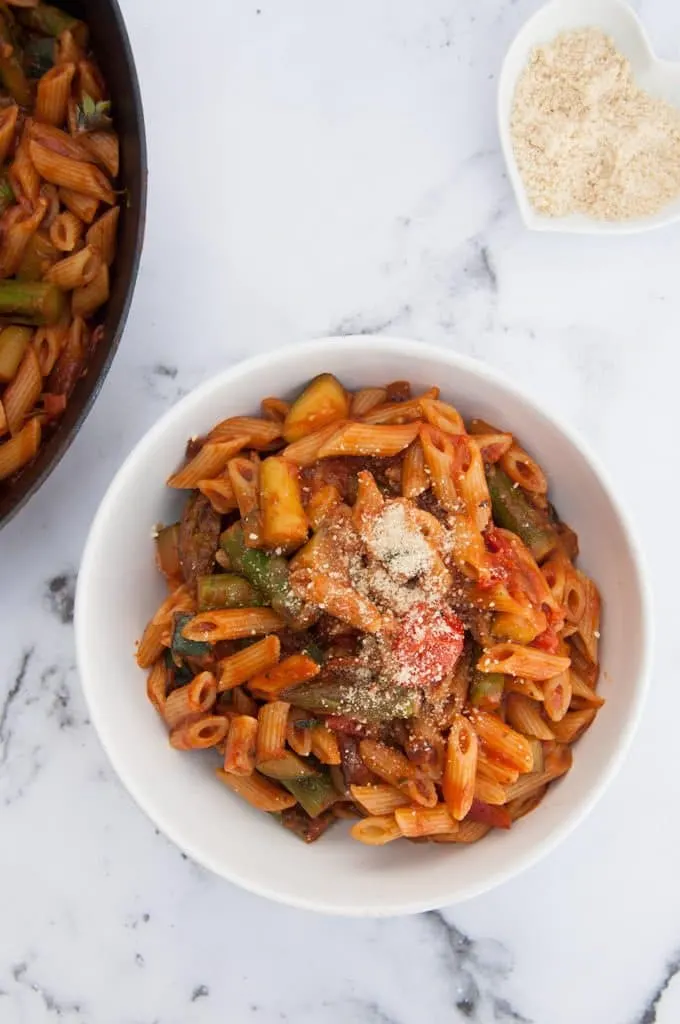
<point x="64" y="441"/>
<point x="87" y="580"/>
<point x="573" y="224"/>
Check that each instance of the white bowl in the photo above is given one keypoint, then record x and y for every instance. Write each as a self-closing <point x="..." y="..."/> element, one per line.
<point x="659" y="77"/>
<point x="119" y="588"/>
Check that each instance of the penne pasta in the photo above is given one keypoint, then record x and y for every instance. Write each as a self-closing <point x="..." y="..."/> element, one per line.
<point x="91" y="297"/>
<point x="219" y="492"/>
<point x="258" y="791"/>
<point x="102" y="234"/>
<point x="157" y="685"/>
<point x="425" y="821"/>
<point x="378" y="799"/>
<point x="8" y="123"/>
<point x="66" y="231"/>
<point x="399" y="412"/>
<point x="460" y="768"/>
<point x="365" y="400"/>
<point x="500" y="742"/>
<point x="20" y="450"/>
<point x="275" y="409"/>
<point x="261" y="433"/>
<point x="23" y="392"/>
<point x="75" y="175"/>
<point x="393" y="767"/>
<point x="211" y="460"/>
<point x="489" y="791"/>
<point x="305" y="452"/>
<point x="572" y="726"/>
<point x="468" y="832"/>
<point x="415" y="478"/>
<point x="104" y="148"/>
<point x="156" y="636"/>
<point x="251" y="661"/>
<point x="523" y="471"/>
<point x="272" y="722"/>
<point x="297" y="668"/>
<point x="364" y="439"/>
<point x="83" y="206"/>
<point x="298" y="732"/>
<point x="325" y="745"/>
<point x="200" y="733"/>
<point x="77" y="270"/>
<point x="52" y="96"/>
<point x="240" y="751"/>
<point x="529" y="662"/>
<point x="244" y="475"/>
<point x="231" y="624"/>
<point x="17" y="237"/>
<point x="525" y="716"/>
<point x="442" y="416"/>
<point x="196" y="697"/>
<point x="376" y="831"/>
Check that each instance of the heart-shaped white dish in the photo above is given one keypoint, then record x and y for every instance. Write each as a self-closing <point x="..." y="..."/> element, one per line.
<point x="659" y="77"/>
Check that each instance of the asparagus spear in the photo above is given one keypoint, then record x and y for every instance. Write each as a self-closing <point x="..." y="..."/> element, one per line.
<point x="183" y="648"/>
<point x="32" y="302"/>
<point x="365" y="702"/>
<point x="268" y="573"/>
<point x="226" y="590"/>
<point x="513" y="511"/>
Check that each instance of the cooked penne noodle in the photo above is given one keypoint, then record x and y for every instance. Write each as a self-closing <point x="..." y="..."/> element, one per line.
<point x="102" y="234"/>
<point x="241" y="748"/>
<point x="442" y="416"/>
<point x="200" y="733"/>
<point x="272" y="721"/>
<point x="525" y="716"/>
<point x="231" y="624"/>
<point x="522" y="470"/>
<point x="325" y="745"/>
<point x="157" y="633"/>
<point x="17" y="452"/>
<point x="581" y="691"/>
<point x="425" y="821"/>
<point x="363" y="401"/>
<point x="364" y="439"/>
<point x="23" y="177"/>
<point x="522" y="805"/>
<point x="57" y="140"/>
<point x="501" y="742"/>
<point x="377" y="830"/>
<point x="527" y="785"/>
<point x="244" y="475"/>
<point x="415" y="479"/>
<point x="393" y="767"/>
<point x="104" y="149"/>
<point x="219" y="492"/>
<point x="23" y="392"/>
<point x="574" y="723"/>
<point x="66" y="231"/>
<point x="211" y="460"/>
<point x="84" y="206"/>
<point x="491" y="446"/>
<point x="78" y="176"/>
<point x="3" y="420"/>
<point x="196" y="697"/>
<point x="305" y="452"/>
<point x="252" y="660"/>
<point x="344" y="603"/>
<point x="90" y="81"/>
<point x="8" y="123"/>
<point x="582" y="603"/>
<point x="527" y="687"/>
<point x="528" y="662"/>
<point x="440" y="462"/>
<point x="284" y="522"/>
<point x="77" y="270"/>
<point x="496" y="771"/>
<point x="13" y="344"/>
<point x="460" y="768"/>
<point x="298" y="732"/>
<point x="258" y="791"/>
<point x="17" y="237"/>
<point x="378" y="799"/>
<point x="557" y="696"/>
<point x="321" y="504"/>
<point x="91" y="297"/>
<point x="297" y="668"/>
<point x="472" y="485"/>
<point x="67" y="50"/>
<point x="260" y="433"/>
<point x="275" y="409"/>
<point x="489" y="791"/>
<point x="399" y="412"/>
<point x="157" y="685"/>
<point x="54" y="89"/>
<point x="468" y="832"/>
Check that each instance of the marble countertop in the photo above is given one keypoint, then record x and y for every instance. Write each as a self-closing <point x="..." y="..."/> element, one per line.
<point x="318" y="168"/>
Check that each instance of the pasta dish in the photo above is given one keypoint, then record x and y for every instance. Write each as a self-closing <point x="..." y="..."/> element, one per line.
<point x="374" y="613"/>
<point x="59" y="157"/>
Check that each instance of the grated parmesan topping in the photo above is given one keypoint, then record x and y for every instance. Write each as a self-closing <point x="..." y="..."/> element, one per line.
<point x="403" y="551"/>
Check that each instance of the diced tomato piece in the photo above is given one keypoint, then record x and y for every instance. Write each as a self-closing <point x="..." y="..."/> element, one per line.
<point x="488" y="814"/>
<point x="427" y="644"/>
<point x="548" y="641"/>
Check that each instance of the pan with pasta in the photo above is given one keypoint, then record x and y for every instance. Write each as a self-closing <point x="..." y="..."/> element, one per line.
<point x="60" y="205"/>
<point x="374" y="613"/>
